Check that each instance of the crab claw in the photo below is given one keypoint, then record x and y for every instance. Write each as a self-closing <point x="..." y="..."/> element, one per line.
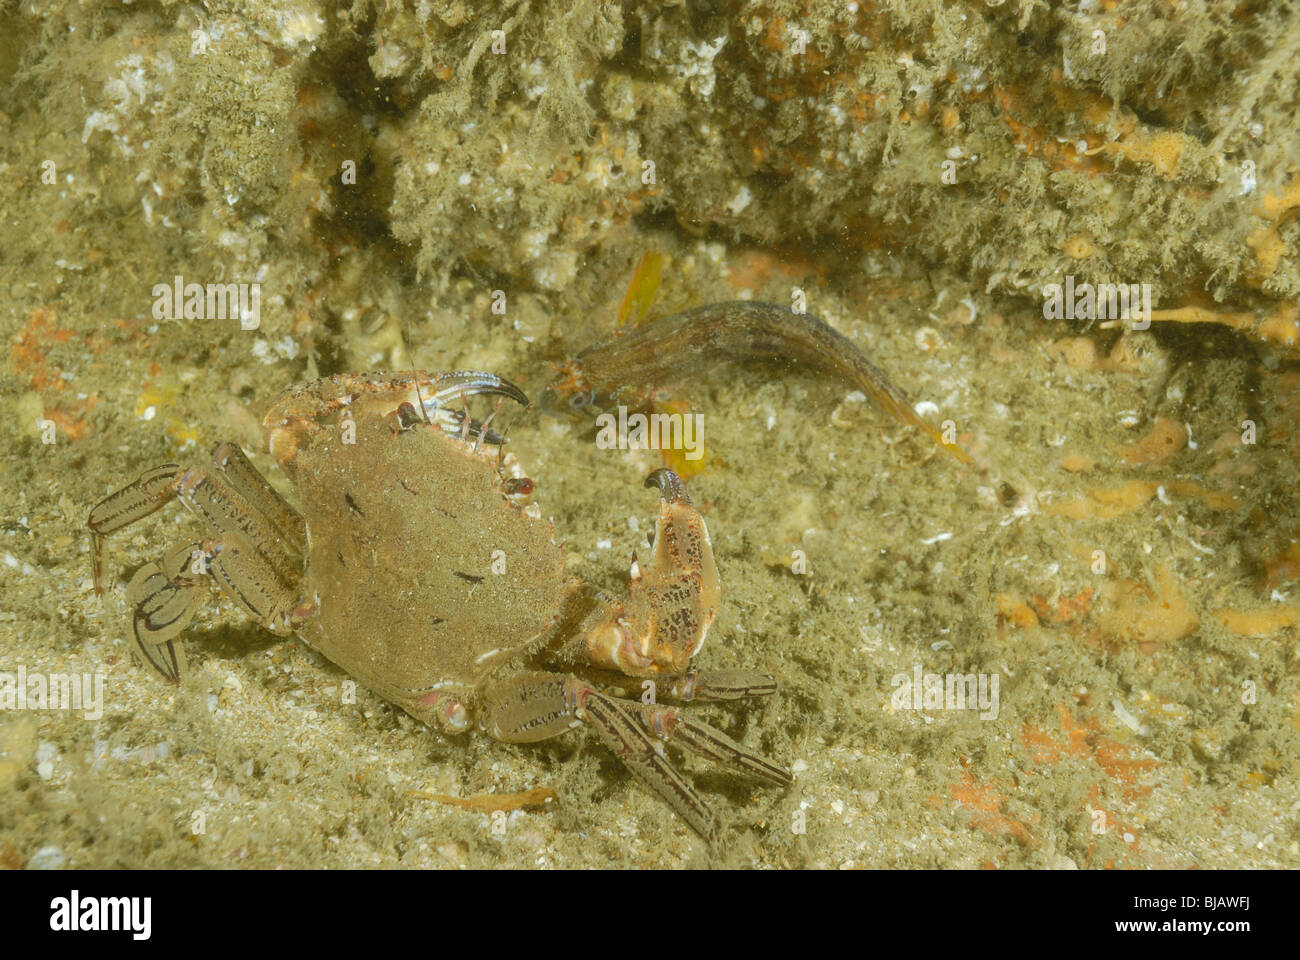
<point x="450" y="387"/>
<point x="670" y="486"/>
<point x="300" y="414"/>
<point x="671" y="601"/>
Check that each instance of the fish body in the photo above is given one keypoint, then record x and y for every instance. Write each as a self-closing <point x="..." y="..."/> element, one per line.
<point x="634" y="365"/>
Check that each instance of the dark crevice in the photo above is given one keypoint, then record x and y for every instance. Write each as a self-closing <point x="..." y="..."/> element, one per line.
<point x="360" y="215"/>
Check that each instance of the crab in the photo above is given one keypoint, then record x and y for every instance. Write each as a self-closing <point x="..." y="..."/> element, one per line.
<point x="418" y="566"/>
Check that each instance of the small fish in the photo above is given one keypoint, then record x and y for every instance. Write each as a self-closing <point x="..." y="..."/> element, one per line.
<point x="638" y="362"/>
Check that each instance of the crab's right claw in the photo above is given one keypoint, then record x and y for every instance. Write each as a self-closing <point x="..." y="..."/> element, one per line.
<point x="450" y="387"/>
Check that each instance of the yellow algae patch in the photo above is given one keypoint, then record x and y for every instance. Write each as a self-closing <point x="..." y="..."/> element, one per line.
<point x="1257" y="623"/>
<point x="1166" y="439"/>
<point x="641" y="289"/>
<point x="153" y="401"/>
<point x="1267" y="242"/>
<point x="1105" y="504"/>
<point x="184" y="435"/>
<point x="684" y="463"/>
<point x="1163" y="151"/>
<point x="151" y="398"/>
<point x="1015" y="612"/>
<point x="683" y="466"/>
<point x="1077" y="463"/>
<point x="1138" y="614"/>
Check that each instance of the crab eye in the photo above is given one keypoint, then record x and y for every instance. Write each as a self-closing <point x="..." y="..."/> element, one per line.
<point x="519" y="486"/>
<point x="407" y="416"/>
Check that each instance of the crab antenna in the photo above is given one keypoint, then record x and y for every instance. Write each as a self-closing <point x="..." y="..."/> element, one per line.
<point x="465" y="421"/>
<point x="415" y="368"/>
<point x="483" y="427"/>
<point x="501" y="451"/>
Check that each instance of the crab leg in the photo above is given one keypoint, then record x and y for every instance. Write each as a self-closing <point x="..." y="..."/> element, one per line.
<point x="719" y="685"/>
<point x="247" y="501"/>
<point x="164" y="601"/>
<point x="133" y="502"/>
<point x="252" y="559"/>
<point x="617" y="726"/>
<point x="708" y="686"/>
<point x="710" y="742"/>
<point x="227" y="511"/>
<point x="535" y="706"/>
<point x="244" y="575"/>
<point x="234" y="464"/>
<point x="165" y="596"/>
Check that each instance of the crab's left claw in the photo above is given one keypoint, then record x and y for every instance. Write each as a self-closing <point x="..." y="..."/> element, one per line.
<point x="671" y="603"/>
<point x="670" y="488"/>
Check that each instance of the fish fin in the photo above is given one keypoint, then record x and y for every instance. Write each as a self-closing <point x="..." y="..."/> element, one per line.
<point x="641" y="290"/>
<point x="676" y="459"/>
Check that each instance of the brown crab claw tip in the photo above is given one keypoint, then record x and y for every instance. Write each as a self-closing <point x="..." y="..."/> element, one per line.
<point x="471" y="383"/>
<point x="669" y="484"/>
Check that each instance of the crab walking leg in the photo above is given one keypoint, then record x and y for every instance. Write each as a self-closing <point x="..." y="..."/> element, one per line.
<point x="536" y="706"/>
<point x="164" y="596"/>
<point x="235" y="466"/>
<point x="627" y="740"/>
<point x="710" y="742"/>
<point x="714" y="685"/>
<point x="235" y="497"/>
<point x="226" y="511"/>
<point x="249" y="558"/>
<point x="164" y="601"/>
<point x="244" y="575"/>
<point x="135" y="501"/>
